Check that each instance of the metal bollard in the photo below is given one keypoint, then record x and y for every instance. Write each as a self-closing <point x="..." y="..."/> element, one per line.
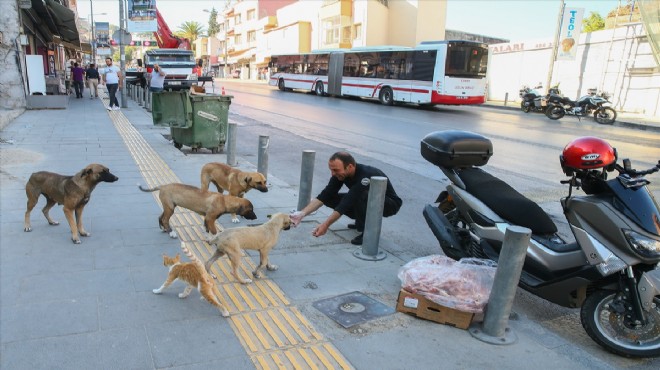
<point x="506" y="98"/>
<point x="147" y="105"/>
<point x="262" y="157"/>
<point x="494" y="329"/>
<point x="374" y="220"/>
<point x="231" y="143"/>
<point x="306" y="177"/>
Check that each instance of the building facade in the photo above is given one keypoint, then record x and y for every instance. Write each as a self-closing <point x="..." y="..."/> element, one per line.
<point x="253" y="30"/>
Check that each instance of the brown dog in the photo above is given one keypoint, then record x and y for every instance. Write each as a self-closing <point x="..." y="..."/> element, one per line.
<point x="233" y="180"/>
<point x="72" y="192"/>
<point x="208" y="204"/>
<point x="262" y="238"/>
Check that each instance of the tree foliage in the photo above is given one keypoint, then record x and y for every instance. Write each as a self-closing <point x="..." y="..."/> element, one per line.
<point x="594" y="22"/>
<point x="190" y="30"/>
<point x="214" y="27"/>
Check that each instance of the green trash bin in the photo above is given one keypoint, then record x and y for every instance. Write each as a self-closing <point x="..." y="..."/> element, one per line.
<point x="195" y="120"/>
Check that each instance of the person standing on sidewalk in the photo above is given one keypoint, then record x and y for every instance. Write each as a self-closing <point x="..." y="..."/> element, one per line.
<point x="356" y="177"/>
<point x="157" y="79"/>
<point x="112" y="79"/>
<point x="78" y="79"/>
<point x="92" y="75"/>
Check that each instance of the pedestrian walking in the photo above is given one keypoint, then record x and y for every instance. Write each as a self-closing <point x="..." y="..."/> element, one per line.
<point x="78" y="79"/>
<point x="353" y="204"/>
<point x="157" y="79"/>
<point x="111" y="76"/>
<point x="92" y="75"/>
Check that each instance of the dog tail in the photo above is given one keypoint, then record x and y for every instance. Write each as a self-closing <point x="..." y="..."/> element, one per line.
<point x="148" y="190"/>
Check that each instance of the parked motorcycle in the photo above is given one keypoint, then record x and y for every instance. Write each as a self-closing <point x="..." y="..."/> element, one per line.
<point x="611" y="270"/>
<point x="533" y="100"/>
<point x="592" y="103"/>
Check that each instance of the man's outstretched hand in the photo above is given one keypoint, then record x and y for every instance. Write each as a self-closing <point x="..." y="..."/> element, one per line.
<point x="296" y="217"/>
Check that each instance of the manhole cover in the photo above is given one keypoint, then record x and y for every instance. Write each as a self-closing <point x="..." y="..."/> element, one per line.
<point x="352" y="308"/>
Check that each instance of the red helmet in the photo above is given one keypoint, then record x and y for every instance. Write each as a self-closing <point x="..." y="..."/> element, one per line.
<point x="587" y="152"/>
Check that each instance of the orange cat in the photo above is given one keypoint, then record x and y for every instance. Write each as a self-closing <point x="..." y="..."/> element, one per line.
<point x="192" y="273"/>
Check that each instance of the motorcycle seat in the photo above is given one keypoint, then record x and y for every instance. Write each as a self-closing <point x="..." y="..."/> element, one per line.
<point x="506" y="201"/>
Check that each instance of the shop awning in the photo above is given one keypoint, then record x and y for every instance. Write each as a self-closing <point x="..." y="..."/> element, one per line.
<point x="61" y="21"/>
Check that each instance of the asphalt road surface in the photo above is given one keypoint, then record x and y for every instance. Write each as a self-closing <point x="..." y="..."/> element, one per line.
<point x="526" y="155"/>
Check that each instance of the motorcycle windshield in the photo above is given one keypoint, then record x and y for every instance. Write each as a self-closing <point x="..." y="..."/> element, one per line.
<point x="638" y="204"/>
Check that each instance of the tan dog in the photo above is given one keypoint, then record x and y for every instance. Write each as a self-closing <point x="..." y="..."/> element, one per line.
<point x="233" y="180"/>
<point x="262" y="238"/>
<point x="72" y="192"/>
<point x="208" y="204"/>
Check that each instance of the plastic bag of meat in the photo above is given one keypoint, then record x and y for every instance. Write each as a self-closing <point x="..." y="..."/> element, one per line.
<point x="463" y="285"/>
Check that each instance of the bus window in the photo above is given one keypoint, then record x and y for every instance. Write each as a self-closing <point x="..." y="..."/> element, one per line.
<point x="368" y="65"/>
<point x="466" y="61"/>
<point x="351" y="65"/>
<point x="423" y="65"/>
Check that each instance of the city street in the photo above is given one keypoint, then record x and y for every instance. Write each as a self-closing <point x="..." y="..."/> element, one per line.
<point x="79" y="306"/>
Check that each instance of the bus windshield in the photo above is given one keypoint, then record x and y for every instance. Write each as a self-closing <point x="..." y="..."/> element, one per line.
<point x="466" y="61"/>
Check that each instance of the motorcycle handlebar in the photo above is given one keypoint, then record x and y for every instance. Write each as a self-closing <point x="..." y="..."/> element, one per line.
<point x="626" y="169"/>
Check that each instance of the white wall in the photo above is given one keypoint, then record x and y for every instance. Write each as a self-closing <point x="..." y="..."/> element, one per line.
<point x="616" y="70"/>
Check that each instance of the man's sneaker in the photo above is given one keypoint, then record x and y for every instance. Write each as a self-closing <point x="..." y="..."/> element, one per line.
<point x="108" y="108"/>
<point x="357" y="240"/>
<point x="116" y="108"/>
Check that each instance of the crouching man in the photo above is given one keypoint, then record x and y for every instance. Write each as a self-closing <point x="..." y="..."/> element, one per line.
<point x="353" y="204"/>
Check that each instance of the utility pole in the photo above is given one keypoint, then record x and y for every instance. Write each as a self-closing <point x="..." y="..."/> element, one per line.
<point x="122" y="57"/>
<point x="555" y="44"/>
<point x="91" y="16"/>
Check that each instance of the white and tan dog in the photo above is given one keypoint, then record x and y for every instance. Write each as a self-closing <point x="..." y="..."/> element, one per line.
<point x="232" y="180"/>
<point x="261" y="238"/>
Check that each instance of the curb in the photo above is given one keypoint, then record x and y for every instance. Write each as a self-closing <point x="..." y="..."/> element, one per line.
<point x="618" y="123"/>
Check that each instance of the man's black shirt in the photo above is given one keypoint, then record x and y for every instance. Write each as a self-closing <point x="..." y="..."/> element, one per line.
<point x="355" y="187"/>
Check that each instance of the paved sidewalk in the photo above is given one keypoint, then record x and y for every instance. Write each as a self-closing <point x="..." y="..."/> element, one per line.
<point x="90" y="306"/>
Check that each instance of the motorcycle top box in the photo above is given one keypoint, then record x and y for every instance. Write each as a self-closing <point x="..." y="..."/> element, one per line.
<point x="454" y="148"/>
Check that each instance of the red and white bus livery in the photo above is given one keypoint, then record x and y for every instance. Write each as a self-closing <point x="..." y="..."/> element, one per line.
<point x="437" y="72"/>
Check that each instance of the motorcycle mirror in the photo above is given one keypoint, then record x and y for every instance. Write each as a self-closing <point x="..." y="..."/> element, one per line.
<point x="626" y="165"/>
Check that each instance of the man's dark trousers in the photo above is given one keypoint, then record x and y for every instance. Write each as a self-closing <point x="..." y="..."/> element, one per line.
<point x="112" y="91"/>
<point x="359" y="210"/>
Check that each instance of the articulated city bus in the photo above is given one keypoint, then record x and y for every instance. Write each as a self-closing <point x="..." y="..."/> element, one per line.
<point x="434" y="72"/>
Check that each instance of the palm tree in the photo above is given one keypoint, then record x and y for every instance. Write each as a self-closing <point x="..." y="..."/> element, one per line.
<point x="190" y="30"/>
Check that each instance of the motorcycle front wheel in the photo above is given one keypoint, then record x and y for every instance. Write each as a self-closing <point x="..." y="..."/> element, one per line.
<point x="524" y="108"/>
<point x="605" y="115"/>
<point x="555" y="112"/>
<point x="609" y="328"/>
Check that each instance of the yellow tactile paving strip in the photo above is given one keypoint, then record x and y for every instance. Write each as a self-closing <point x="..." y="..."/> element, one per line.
<point x="274" y="334"/>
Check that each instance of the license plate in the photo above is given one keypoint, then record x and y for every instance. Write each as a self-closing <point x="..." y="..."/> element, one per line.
<point x="175" y="83"/>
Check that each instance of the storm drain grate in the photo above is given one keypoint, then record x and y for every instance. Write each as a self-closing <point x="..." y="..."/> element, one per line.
<point x="352" y="308"/>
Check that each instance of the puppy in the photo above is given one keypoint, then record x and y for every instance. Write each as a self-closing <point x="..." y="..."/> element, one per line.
<point x="262" y="238"/>
<point x="208" y="204"/>
<point x="72" y="192"/>
<point x="234" y="181"/>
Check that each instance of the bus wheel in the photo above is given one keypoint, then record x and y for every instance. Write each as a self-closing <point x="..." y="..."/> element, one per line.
<point x="280" y="84"/>
<point x="319" y="88"/>
<point x="386" y="97"/>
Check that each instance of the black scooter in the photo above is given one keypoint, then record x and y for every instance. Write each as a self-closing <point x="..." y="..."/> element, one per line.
<point x="611" y="271"/>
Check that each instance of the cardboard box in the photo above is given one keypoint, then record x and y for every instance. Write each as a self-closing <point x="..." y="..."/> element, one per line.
<point x="424" y="308"/>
